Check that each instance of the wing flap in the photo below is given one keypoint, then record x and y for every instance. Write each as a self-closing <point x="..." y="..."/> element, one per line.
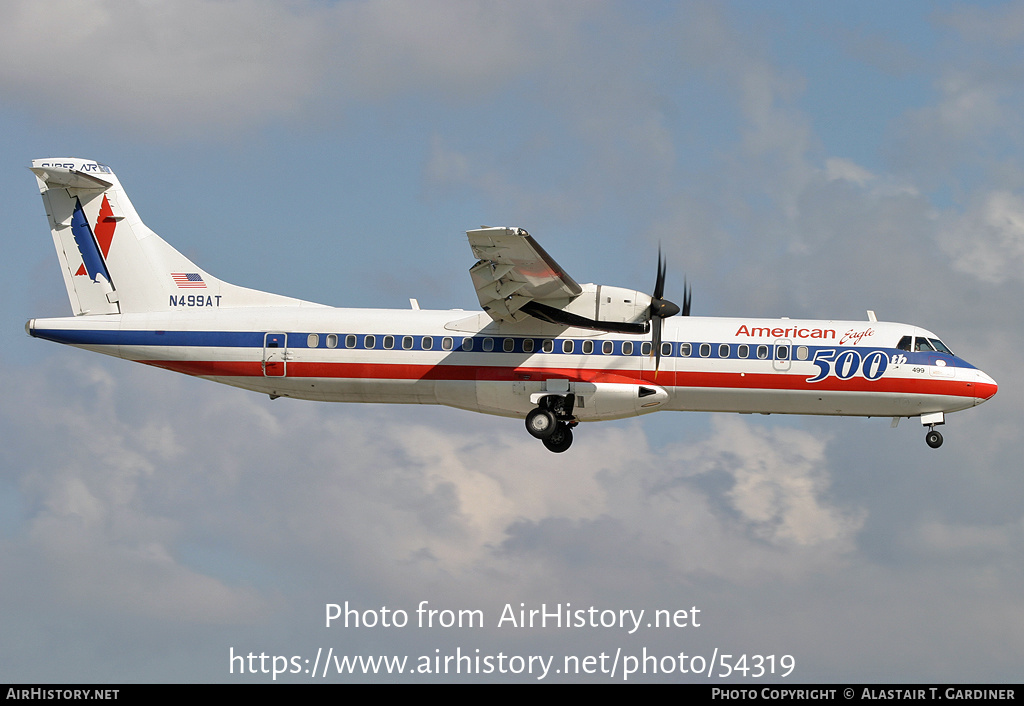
<point x="514" y="270"/>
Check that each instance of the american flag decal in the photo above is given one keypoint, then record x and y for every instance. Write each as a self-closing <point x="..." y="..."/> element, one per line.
<point x="188" y="280"/>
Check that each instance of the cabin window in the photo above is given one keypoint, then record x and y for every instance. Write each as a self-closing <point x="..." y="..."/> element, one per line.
<point x="645" y="348"/>
<point x="801" y="353"/>
<point x="608" y="347"/>
<point x="427" y="343"/>
<point x="389" y="342"/>
<point x="313" y="340"/>
<point x="723" y="350"/>
<point x="467" y="344"/>
<point x="447" y="343"/>
<point x="781" y="352"/>
<point x="627" y="348"/>
<point x="762" y="352"/>
<point x="588" y="347"/>
<point x="350" y="341"/>
<point x="705" y="350"/>
<point x="685" y="350"/>
<point x="527" y="345"/>
<point x="488" y="344"/>
<point x="332" y="340"/>
<point x="407" y="342"/>
<point x="666" y="348"/>
<point x="568" y="345"/>
<point x="370" y="341"/>
<point x="508" y="345"/>
<point x="548" y="346"/>
<point x="743" y="351"/>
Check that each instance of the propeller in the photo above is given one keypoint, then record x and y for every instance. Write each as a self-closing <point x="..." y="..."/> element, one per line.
<point x="661" y="308"/>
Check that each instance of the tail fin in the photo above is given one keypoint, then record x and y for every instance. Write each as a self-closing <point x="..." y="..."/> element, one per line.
<point x="112" y="263"/>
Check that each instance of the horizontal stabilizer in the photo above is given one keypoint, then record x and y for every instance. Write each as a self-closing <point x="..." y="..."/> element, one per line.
<point x="71" y="178"/>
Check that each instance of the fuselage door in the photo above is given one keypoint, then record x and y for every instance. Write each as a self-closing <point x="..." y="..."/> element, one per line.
<point x="782" y="358"/>
<point x="275" y="353"/>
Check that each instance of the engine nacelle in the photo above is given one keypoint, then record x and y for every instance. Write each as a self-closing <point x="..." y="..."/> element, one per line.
<point x="602" y="303"/>
<point x="609" y="400"/>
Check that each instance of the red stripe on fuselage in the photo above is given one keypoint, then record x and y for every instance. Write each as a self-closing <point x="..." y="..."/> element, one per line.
<point x="678" y="379"/>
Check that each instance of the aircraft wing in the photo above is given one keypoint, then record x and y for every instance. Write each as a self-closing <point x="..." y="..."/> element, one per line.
<point x="513" y="271"/>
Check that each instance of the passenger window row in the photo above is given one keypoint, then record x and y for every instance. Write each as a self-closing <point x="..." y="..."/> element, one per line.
<point x="568" y="345"/>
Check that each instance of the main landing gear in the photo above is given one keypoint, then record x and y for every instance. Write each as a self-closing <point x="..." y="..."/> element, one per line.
<point x="933" y="438"/>
<point x="552" y="422"/>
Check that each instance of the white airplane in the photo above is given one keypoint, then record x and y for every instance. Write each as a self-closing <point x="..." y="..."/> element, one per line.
<point x="544" y="348"/>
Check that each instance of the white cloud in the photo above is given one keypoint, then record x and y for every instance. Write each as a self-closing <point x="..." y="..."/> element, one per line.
<point x="159" y="67"/>
<point x="780" y="484"/>
<point x="837" y="168"/>
<point x="203" y="65"/>
<point x="987" y="241"/>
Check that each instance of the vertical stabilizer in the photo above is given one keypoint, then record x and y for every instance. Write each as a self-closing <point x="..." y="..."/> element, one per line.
<point x="111" y="262"/>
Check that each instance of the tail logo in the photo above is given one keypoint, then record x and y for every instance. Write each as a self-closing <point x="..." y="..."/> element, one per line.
<point x="93" y="244"/>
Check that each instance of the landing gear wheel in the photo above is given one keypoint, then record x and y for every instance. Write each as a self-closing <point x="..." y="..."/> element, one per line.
<point x="560" y="440"/>
<point x="541" y="423"/>
<point x="933" y="439"/>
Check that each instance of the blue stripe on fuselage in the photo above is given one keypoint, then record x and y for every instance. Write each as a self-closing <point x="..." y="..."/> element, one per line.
<point x="99" y="337"/>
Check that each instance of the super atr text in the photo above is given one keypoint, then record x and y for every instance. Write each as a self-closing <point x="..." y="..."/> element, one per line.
<point x="545" y="615"/>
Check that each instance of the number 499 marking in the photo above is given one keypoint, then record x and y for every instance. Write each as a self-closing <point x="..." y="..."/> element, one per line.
<point x="847" y="363"/>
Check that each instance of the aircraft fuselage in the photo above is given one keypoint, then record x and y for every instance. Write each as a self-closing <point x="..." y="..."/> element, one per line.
<point x="463" y="360"/>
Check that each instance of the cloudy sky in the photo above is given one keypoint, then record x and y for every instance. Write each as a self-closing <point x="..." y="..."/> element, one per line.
<point x="798" y="159"/>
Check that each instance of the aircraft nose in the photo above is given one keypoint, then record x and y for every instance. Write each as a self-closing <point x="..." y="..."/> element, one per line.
<point x="985" y="387"/>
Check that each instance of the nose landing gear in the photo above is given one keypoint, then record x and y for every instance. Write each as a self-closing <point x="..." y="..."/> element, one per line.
<point x="933" y="438"/>
<point x="552" y="422"/>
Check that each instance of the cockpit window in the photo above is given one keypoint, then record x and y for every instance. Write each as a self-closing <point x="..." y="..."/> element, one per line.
<point x="905" y="343"/>
<point x="922" y="345"/>
<point x="940" y="346"/>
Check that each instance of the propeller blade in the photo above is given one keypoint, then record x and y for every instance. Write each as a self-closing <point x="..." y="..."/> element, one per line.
<point x="656" y="342"/>
<point x="659" y="283"/>
<point x="687" y="296"/>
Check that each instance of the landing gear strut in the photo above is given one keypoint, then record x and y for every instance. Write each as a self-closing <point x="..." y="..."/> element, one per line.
<point x="552" y="422"/>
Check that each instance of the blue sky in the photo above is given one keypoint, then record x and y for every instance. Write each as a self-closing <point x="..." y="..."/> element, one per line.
<point x="792" y="159"/>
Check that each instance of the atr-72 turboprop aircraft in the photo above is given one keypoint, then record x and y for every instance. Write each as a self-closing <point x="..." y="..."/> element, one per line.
<point x="544" y="348"/>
